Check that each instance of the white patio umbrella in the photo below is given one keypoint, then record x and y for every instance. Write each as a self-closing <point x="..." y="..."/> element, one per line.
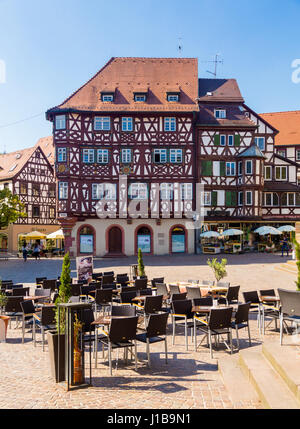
<point x="286" y="228"/>
<point x="209" y="234"/>
<point x="265" y="230"/>
<point x="232" y="231"/>
<point x="56" y="235"/>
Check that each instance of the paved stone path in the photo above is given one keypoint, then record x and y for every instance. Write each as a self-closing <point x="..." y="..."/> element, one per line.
<point x="250" y="271"/>
<point x="190" y="380"/>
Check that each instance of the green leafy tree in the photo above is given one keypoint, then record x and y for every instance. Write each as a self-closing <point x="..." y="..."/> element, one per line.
<point x="50" y="244"/>
<point x="141" y="267"/>
<point x="297" y="254"/>
<point x="65" y="291"/>
<point x="219" y="268"/>
<point x="10" y="208"/>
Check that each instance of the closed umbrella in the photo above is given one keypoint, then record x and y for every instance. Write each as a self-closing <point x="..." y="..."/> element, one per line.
<point x="209" y="234"/>
<point x="265" y="230"/>
<point x="232" y="231"/>
<point x="286" y="228"/>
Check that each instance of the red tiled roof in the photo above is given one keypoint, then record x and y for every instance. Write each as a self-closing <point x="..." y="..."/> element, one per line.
<point x="221" y="90"/>
<point x="127" y="75"/>
<point x="11" y="163"/>
<point x="234" y="116"/>
<point x="288" y="125"/>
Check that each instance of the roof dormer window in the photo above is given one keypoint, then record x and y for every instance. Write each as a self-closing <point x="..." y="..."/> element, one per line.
<point x="140" y="97"/>
<point x="173" y="97"/>
<point x="220" y="113"/>
<point x="107" y="97"/>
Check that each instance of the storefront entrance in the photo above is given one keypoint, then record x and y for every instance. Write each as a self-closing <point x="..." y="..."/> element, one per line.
<point x="144" y="239"/>
<point x="115" y="240"/>
<point x="178" y="240"/>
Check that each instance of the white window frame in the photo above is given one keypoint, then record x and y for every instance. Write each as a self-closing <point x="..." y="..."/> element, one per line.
<point x="127" y="123"/>
<point x="166" y="191"/>
<point x="60" y="122"/>
<point x="102" y="123"/>
<point x="104" y="191"/>
<point x="160" y="152"/>
<point x="140" y="97"/>
<point x="240" y="168"/>
<point x="63" y="189"/>
<point x="231" y="140"/>
<point x="207" y="198"/>
<point x="293" y="194"/>
<point x="223" y="137"/>
<point x="272" y="199"/>
<point x="126" y="156"/>
<point x="249" y="162"/>
<point x="258" y="140"/>
<point x="170" y="124"/>
<point x="61" y="154"/>
<point x="281" y="168"/>
<point x="232" y="167"/>
<point x="88" y="156"/>
<point x="138" y="191"/>
<point x="176" y="154"/>
<point x="249" y="203"/>
<point x="220" y="113"/>
<point x="241" y="200"/>
<point x="173" y="97"/>
<point x="107" y="98"/>
<point x="186" y="191"/>
<point x="102" y="156"/>
<point x="265" y="168"/>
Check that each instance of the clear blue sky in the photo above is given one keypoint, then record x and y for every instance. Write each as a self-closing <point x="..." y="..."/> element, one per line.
<point x="50" y="48"/>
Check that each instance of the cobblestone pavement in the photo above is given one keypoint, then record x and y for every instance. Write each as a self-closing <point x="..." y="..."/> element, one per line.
<point x="251" y="271"/>
<point x="189" y="380"/>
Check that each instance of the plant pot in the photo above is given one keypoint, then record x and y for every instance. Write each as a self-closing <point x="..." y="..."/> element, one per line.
<point x="53" y="338"/>
<point x="6" y="320"/>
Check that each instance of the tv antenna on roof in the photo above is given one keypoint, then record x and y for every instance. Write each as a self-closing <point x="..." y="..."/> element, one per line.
<point x="216" y="61"/>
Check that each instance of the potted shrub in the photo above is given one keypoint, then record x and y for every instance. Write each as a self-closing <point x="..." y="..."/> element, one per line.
<point x="141" y="266"/>
<point x="53" y="337"/>
<point x="219" y="268"/>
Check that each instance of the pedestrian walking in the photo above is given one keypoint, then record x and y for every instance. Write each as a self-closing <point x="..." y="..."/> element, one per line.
<point x="36" y="251"/>
<point x="24" y="251"/>
<point x="285" y="246"/>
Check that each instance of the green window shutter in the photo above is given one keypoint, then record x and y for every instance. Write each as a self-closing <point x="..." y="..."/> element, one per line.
<point x="207" y="168"/>
<point x="234" y="198"/>
<point x="214" y="198"/>
<point x="237" y="140"/>
<point x="228" y="198"/>
<point x="231" y="198"/>
<point x="217" y="139"/>
<point x="222" y="168"/>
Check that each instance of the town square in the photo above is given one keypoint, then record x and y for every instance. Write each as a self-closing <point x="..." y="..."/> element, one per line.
<point x="150" y="213"/>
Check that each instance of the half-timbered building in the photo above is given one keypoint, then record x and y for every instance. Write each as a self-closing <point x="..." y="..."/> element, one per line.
<point x="29" y="174"/>
<point x="125" y="161"/>
<point x="133" y="143"/>
<point x="247" y="181"/>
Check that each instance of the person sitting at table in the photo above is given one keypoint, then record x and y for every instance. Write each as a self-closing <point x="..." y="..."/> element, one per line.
<point x="270" y="246"/>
